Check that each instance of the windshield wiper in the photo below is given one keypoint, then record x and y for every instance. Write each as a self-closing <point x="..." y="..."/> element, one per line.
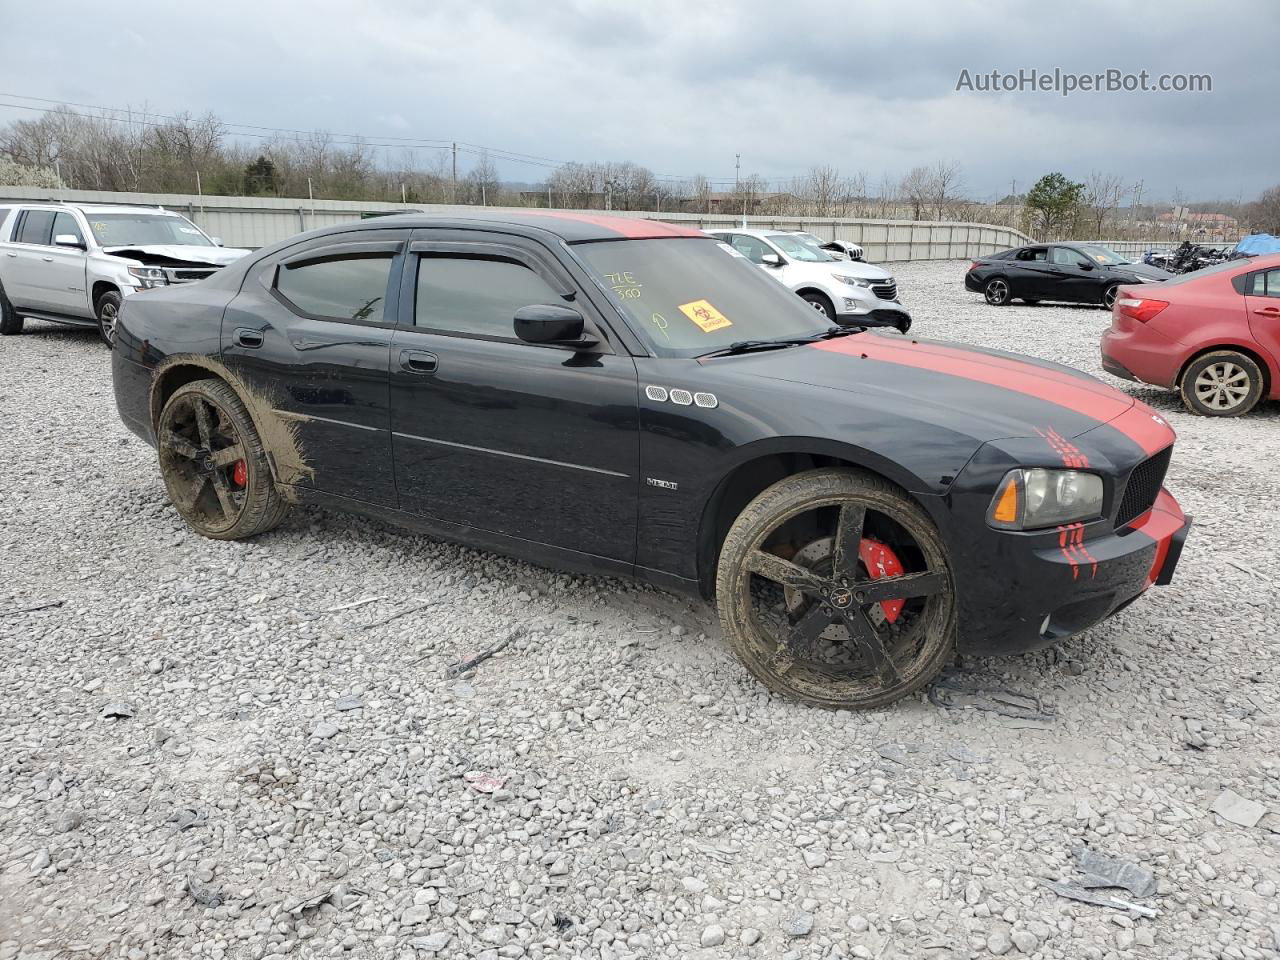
<point x="752" y="346"/>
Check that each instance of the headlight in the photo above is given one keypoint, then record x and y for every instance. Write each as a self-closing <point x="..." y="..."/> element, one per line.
<point x="149" y="276"/>
<point x="853" y="281"/>
<point x="1028" y="499"/>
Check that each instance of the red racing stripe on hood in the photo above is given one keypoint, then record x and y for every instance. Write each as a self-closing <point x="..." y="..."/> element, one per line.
<point x="1094" y="400"/>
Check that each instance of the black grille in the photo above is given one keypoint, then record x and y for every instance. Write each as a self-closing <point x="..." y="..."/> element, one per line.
<point x="1142" y="487"/>
<point x="885" y="291"/>
<point x="190" y="274"/>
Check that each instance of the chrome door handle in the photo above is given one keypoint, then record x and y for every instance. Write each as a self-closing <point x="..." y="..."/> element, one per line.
<point x="47" y="259"/>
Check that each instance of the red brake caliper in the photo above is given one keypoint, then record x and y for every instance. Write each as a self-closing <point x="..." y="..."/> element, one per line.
<point x="240" y="477"/>
<point x="881" y="561"/>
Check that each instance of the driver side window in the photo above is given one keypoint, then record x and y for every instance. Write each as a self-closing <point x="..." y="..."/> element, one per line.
<point x="476" y="296"/>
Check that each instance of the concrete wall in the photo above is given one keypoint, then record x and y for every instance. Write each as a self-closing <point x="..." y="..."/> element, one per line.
<point x="258" y="221"/>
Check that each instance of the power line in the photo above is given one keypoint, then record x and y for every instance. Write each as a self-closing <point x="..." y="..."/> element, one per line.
<point x="130" y="115"/>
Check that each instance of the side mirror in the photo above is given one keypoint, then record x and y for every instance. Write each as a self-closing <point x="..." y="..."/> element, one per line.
<point x="68" y="240"/>
<point x="217" y="241"/>
<point x="550" y="323"/>
<point x="1085" y="265"/>
<point x="771" y="259"/>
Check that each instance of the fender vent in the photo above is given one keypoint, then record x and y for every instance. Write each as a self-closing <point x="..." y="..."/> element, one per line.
<point x="1142" y="487"/>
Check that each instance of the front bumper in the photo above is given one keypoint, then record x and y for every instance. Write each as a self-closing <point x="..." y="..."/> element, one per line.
<point x="1042" y="587"/>
<point x="897" y="319"/>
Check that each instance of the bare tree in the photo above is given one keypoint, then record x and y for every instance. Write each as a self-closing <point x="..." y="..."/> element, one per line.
<point x="1102" y="194"/>
<point x="916" y="190"/>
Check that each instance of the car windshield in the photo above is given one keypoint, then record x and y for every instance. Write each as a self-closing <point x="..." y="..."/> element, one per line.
<point x="144" y="229"/>
<point x="689" y="296"/>
<point x="797" y="248"/>
<point x="808" y="238"/>
<point x="1103" y="255"/>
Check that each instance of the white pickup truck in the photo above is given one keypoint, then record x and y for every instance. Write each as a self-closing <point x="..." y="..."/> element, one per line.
<point x="75" y="263"/>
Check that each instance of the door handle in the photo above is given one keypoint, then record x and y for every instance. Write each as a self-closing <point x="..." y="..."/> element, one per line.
<point x="1269" y="311"/>
<point x="247" y="337"/>
<point x="11" y="254"/>
<point x="47" y="259"/>
<point x="419" y="361"/>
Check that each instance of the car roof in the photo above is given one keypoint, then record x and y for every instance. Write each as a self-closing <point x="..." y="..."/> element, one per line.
<point x="93" y="207"/>
<point x="570" y="227"/>
<point x="752" y="232"/>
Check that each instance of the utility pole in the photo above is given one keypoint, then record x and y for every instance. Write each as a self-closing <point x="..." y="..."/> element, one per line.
<point x="312" y="198"/>
<point x="737" y="185"/>
<point x="404" y="197"/>
<point x="455" y="174"/>
<point x="199" y="193"/>
<point x="608" y="194"/>
<point x="548" y="194"/>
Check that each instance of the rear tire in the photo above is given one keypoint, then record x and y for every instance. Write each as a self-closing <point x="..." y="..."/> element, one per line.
<point x="10" y="323"/>
<point x="1109" y="295"/>
<point x="1223" y="383"/>
<point x="107" y="311"/>
<point x="997" y="292"/>
<point x="214" y="464"/>
<point x="822" y="303"/>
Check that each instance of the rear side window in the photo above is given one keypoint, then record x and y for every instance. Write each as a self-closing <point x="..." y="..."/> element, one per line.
<point x="36" y="227"/>
<point x="1265" y="284"/>
<point x="1066" y="256"/>
<point x="476" y="296"/>
<point x="342" y="288"/>
<point x="1033" y="253"/>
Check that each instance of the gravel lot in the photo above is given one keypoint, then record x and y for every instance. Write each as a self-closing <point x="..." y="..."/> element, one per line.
<point x="296" y="777"/>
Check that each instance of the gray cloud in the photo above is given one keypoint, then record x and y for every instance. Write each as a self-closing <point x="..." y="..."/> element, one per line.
<point x="682" y="87"/>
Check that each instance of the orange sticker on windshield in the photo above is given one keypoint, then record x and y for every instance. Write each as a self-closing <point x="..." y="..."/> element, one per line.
<point x="705" y="316"/>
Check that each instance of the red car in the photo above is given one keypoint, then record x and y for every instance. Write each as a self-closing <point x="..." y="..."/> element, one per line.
<point x="1212" y="335"/>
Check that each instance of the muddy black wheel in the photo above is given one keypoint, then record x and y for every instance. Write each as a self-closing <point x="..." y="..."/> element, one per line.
<point x="834" y="588"/>
<point x="214" y="465"/>
<point x="107" y="310"/>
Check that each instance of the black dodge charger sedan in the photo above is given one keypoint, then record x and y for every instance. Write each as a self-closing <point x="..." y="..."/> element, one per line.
<point x="1070" y="272"/>
<point x="619" y="396"/>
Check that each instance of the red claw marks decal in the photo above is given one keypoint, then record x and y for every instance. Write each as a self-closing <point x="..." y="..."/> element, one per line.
<point x="1071" y="543"/>
<point x="1068" y="451"/>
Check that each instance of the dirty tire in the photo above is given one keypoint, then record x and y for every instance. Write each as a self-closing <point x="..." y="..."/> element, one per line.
<point x="997" y="292"/>
<point x="1223" y="383"/>
<point x="107" y="311"/>
<point x="10" y="322"/>
<point x="924" y="640"/>
<point x="204" y="429"/>
<point x="822" y="303"/>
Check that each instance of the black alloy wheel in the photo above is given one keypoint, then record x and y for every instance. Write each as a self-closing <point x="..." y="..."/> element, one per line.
<point x="834" y="588"/>
<point x="214" y="465"/>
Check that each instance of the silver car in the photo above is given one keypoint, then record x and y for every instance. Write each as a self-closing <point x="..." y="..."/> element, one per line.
<point x="76" y="263"/>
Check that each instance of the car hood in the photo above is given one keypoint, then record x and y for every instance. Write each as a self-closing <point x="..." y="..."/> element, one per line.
<point x="167" y="254"/>
<point x="1143" y="270"/>
<point x="985" y="395"/>
<point x="848" y="268"/>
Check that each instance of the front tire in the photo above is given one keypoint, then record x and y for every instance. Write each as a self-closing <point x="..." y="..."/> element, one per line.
<point x="822" y="303"/>
<point x="107" y="312"/>
<point x="834" y="588"/>
<point x="1223" y="383"/>
<point x="10" y="322"/>
<point x="997" y="292"/>
<point x="214" y="464"/>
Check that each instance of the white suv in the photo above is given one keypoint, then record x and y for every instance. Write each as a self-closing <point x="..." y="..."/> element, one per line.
<point x="75" y="264"/>
<point x="847" y="291"/>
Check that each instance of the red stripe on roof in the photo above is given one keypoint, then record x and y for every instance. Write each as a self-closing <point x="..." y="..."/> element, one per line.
<point x="631" y="227"/>
<point x="1094" y="400"/>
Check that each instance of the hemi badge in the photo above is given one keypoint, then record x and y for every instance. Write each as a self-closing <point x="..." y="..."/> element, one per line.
<point x="664" y="484"/>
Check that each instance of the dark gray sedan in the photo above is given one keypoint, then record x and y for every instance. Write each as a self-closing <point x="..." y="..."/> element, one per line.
<point x="1068" y="272"/>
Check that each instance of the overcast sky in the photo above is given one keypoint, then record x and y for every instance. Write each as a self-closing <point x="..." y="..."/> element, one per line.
<point x="682" y="86"/>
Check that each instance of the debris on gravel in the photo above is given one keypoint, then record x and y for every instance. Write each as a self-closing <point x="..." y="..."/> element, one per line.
<point x="612" y="785"/>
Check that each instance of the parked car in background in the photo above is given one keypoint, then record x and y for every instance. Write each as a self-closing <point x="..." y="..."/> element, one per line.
<point x="75" y="263"/>
<point x="841" y="248"/>
<point x="1213" y="335"/>
<point x="621" y="397"/>
<point x="845" y="292"/>
<point x="1068" y="272"/>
